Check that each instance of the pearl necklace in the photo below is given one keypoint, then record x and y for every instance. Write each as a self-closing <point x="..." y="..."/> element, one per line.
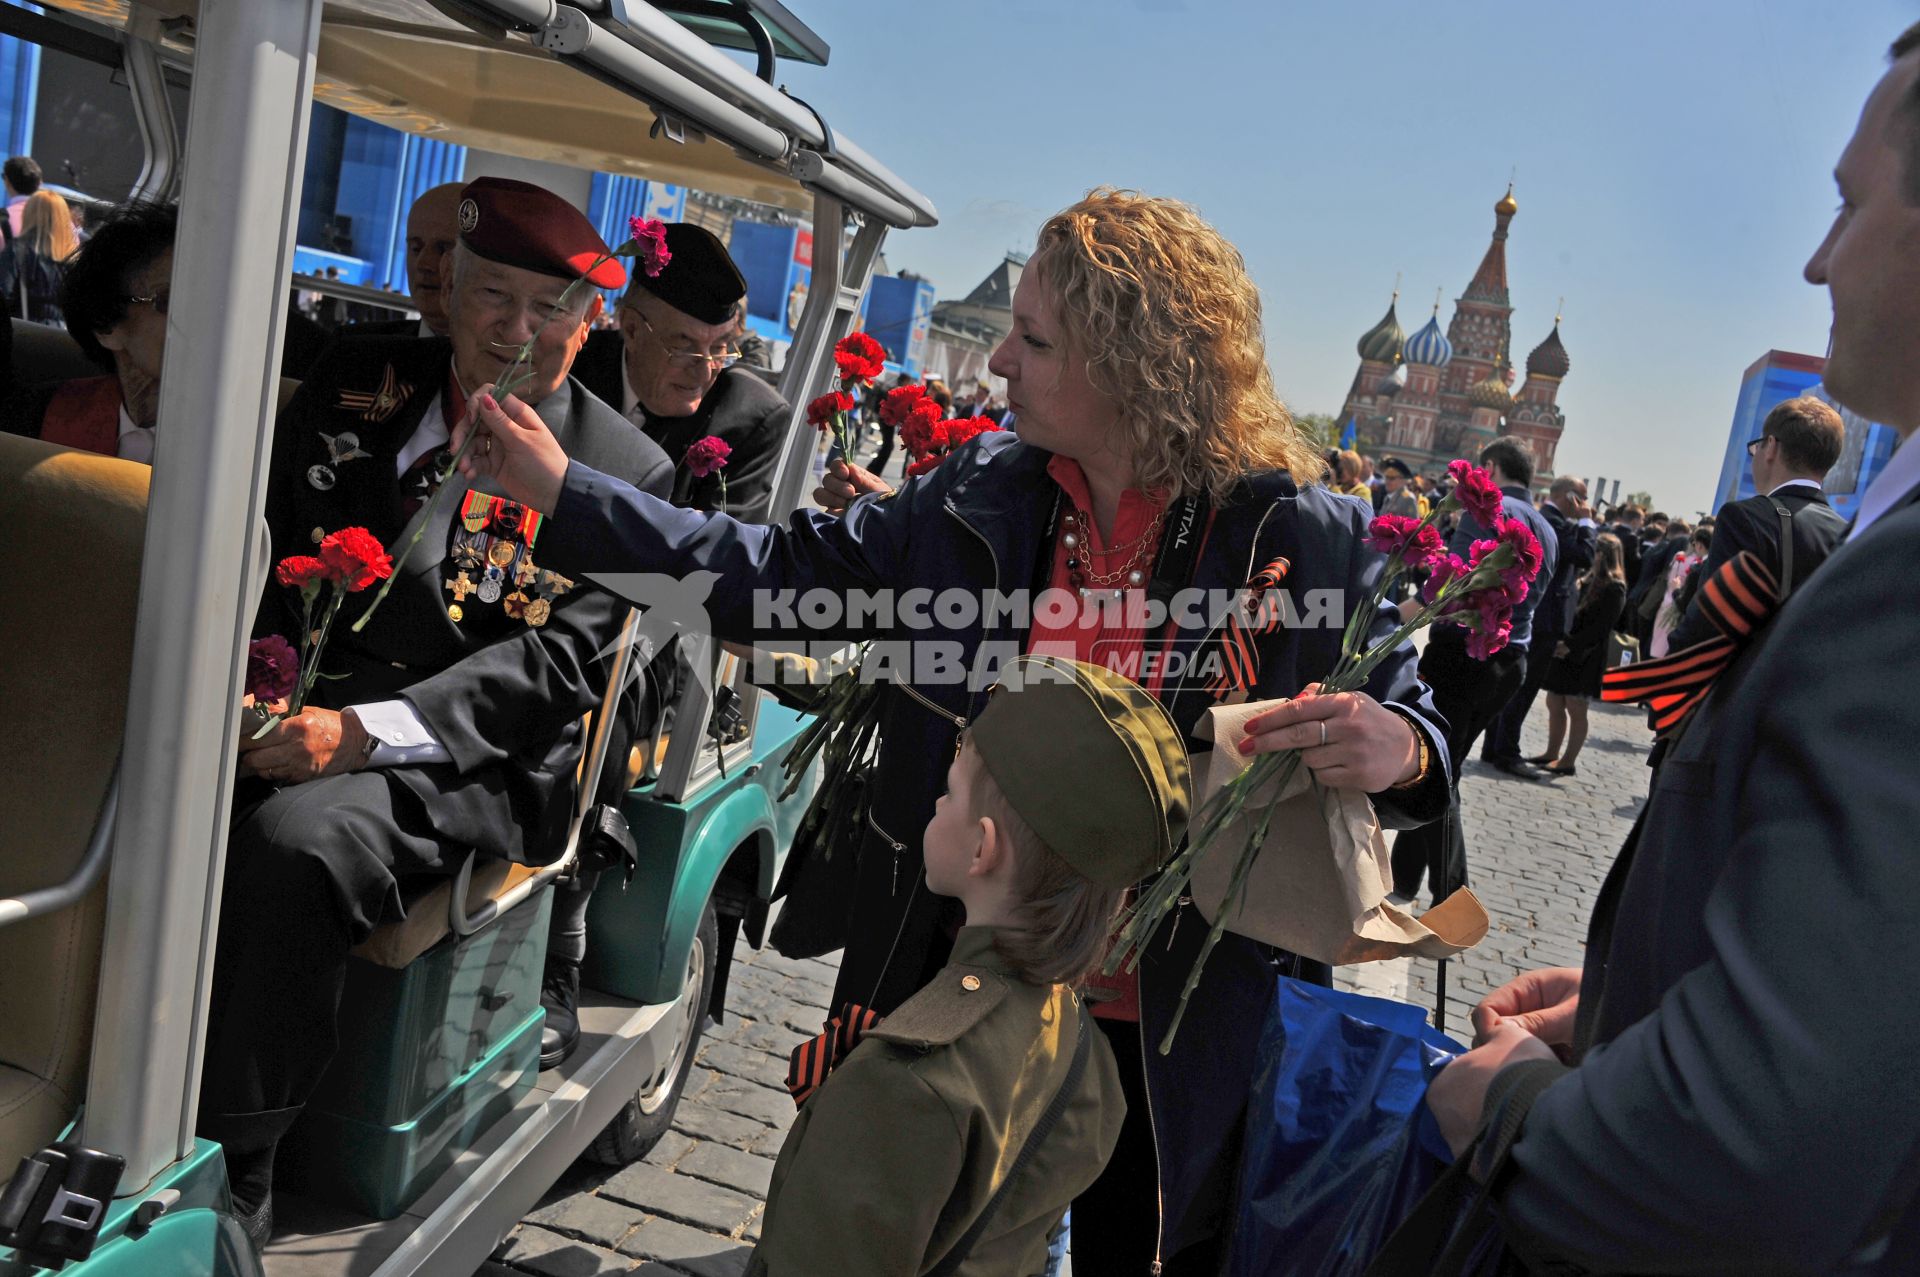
<point x="1086" y="581"/>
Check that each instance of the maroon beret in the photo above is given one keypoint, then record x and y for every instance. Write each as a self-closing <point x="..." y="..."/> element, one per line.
<point x="520" y="224"/>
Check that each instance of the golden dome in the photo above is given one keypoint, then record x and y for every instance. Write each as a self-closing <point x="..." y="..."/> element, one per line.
<point x="1506" y="207"/>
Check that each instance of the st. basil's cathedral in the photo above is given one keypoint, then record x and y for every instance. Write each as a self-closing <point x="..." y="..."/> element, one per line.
<point x="1431" y="397"/>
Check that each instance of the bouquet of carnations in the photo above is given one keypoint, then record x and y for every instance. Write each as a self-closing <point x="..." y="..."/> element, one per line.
<point x="1478" y="592"/>
<point x="348" y="562"/>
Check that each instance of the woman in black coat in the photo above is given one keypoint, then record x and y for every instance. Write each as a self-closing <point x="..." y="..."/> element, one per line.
<point x="1152" y="451"/>
<point x="1581" y="657"/>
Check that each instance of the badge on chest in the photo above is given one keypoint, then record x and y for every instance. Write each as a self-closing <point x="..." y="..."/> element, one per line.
<point x="491" y="562"/>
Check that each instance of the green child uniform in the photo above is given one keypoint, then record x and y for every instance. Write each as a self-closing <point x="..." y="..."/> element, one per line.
<point x="889" y="1164"/>
<point x="922" y="1131"/>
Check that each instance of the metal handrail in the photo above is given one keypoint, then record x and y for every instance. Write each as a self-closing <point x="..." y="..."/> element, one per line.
<point x="465" y="924"/>
<point x="45" y="900"/>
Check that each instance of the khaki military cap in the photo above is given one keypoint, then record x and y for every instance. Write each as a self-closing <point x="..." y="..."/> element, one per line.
<point x="1091" y="762"/>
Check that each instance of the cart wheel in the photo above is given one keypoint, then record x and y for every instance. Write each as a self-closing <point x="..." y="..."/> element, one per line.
<point x="641" y="1122"/>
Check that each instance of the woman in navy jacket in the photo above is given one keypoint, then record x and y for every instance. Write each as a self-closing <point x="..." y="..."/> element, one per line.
<point x="1153" y="456"/>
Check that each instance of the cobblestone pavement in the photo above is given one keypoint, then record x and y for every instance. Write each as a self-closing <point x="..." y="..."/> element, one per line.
<point x="1537" y="853"/>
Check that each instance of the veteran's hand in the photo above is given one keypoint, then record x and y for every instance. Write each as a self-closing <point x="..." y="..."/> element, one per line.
<point x="306" y="746"/>
<point x="515" y="449"/>
<point x="1458" y="1094"/>
<point x="1350" y="740"/>
<point x="1543" y="1002"/>
<point x="844" y="482"/>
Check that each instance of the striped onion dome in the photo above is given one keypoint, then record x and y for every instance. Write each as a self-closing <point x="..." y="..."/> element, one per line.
<point x="1382" y="342"/>
<point x="1491" y="393"/>
<point x="1549" y="358"/>
<point x="1429" y="346"/>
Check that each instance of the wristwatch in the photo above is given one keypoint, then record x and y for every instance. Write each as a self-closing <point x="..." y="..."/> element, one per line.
<point x="1426" y="751"/>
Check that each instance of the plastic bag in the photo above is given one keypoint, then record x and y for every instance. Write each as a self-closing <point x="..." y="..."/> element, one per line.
<point x="1339" y="1146"/>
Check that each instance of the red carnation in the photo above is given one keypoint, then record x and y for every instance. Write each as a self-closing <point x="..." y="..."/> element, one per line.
<point x="860" y="358"/>
<point x="1476" y="492"/>
<point x="1489" y="637"/>
<point x="924" y="465"/>
<point x="900" y="401"/>
<point x="965" y="429"/>
<point x="821" y="412"/>
<point x="649" y="236"/>
<point x="924" y="432"/>
<point x="707" y="456"/>
<point x="355" y="558"/>
<point x="302" y="572"/>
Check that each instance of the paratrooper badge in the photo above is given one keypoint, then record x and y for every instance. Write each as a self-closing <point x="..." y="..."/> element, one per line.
<point x="377" y="405"/>
<point x="341" y="448"/>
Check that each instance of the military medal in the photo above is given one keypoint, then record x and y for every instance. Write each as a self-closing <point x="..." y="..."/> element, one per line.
<point x="526" y="574"/>
<point x="455" y="613"/>
<point x="537" y="612"/>
<point x="516" y="604"/>
<point x="380" y="403"/>
<point x="501" y="553"/>
<point x="341" y="448"/>
<point x="321" y="477"/>
<point x="474" y="511"/>
<point x="490" y="586"/>
<point x="468" y="556"/>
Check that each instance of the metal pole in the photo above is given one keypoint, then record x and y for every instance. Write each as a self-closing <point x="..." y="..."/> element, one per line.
<point x="246" y="144"/>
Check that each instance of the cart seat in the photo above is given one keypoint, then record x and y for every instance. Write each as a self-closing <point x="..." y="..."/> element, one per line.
<point x="396" y="944"/>
<point x="75" y="524"/>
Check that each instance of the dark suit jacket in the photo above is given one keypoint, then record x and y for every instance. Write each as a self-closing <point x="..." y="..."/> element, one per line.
<point x="1655" y="559"/>
<point x="380" y="328"/>
<point x="504" y="697"/>
<point x="1576" y="548"/>
<point x="1753" y="524"/>
<point x="741" y="409"/>
<point x="1744" y="1102"/>
<point x="1629" y="550"/>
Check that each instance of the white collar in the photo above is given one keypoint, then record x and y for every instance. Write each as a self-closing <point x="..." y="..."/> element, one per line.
<point x="1900" y="477"/>
<point x="1794" y="483"/>
<point x="629" y="397"/>
<point x="134" y="441"/>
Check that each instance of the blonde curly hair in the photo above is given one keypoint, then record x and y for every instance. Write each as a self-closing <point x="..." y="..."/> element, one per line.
<point x="1161" y="307"/>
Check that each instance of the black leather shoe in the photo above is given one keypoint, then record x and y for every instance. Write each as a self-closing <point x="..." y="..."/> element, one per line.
<point x="1514" y="767"/>
<point x="560" y="997"/>
<point x="250" y="1184"/>
<point x="257" y="1224"/>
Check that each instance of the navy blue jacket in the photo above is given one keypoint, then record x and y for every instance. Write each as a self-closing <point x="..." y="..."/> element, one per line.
<point x="1515" y="504"/>
<point x="981" y="521"/>
<point x="1577" y="546"/>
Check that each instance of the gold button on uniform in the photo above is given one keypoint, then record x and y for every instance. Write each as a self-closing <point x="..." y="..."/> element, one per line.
<point x="971" y="983"/>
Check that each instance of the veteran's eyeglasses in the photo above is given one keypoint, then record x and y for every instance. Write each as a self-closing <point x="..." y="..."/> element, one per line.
<point x="158" y="301"/>
<point x="693" y="360"/>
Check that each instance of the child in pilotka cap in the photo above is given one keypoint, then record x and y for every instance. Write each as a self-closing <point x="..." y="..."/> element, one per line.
<point x="953" y="1136"/>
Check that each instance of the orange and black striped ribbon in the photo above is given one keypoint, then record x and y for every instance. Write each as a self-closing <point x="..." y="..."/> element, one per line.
<point x="820" y="1054"/>
<point x="1240" y="658"/>
<point x="1738" y="599"/>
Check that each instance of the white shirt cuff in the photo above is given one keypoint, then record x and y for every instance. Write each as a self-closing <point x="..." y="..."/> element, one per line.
<point x="403" y="737"/>
<point x="1588" y="523"/>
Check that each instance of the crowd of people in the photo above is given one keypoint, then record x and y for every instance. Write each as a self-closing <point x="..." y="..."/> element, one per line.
<point x="1722" y="1089"/>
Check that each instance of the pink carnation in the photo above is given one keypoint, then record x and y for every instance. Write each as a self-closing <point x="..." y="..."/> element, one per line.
<point x="707" y="456"/>
<point x="1417" y="543"/>
<point x="1476" y="492"/>
<point x="649" y="236"/>
<point x="1484" y="640"/>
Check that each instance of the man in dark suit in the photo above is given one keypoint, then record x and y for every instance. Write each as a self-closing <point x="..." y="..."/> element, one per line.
<point x="1656" y="556"/>
<point x="1627" y="527"/>
<point x="1743" y="1097"/>
<point x="452" y="723"/>
<point x="433" y="229"/>
<point x="1571" y="518"/>
<point x="672" y="370"/>
<point x="1799" y="442"/>
<point x="980" y="404"/>
<point x="1470" y="693"/>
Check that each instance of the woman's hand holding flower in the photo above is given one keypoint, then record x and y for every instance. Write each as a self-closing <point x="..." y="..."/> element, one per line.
<point x="514" y="449"/>
<point x="1363" y="746"/>
<point x="843" y="483"/>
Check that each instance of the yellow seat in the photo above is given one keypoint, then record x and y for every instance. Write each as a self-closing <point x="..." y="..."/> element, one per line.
<point x="75" y="524"/>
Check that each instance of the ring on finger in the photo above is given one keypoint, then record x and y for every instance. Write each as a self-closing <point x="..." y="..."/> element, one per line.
<point x="1323" y="732"/>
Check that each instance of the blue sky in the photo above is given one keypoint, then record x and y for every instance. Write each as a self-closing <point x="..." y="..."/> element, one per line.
<point x="1673" y="166"/>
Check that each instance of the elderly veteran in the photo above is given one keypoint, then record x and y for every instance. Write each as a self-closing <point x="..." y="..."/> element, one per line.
<point x="452" y="723"/>
<point x="1153" y="456"/>
<point x="673" y="369"/>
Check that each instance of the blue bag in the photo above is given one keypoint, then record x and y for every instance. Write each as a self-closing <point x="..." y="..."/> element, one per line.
<point x="1339" y="1146"/>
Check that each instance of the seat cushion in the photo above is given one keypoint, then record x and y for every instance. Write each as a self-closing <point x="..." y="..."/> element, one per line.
<point x="397" y="943"/>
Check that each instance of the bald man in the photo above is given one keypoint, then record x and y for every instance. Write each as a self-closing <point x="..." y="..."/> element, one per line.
<point x="433" y="227"/>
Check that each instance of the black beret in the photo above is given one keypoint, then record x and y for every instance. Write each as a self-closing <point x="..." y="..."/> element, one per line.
<point x="699" y="278"/>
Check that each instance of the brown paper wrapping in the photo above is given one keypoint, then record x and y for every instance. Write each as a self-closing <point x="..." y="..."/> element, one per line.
<point x="1319" y="885"/>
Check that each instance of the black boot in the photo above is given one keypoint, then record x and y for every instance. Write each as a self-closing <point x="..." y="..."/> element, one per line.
<point x="560" y="997"/>
<point x="250" y="1184"/>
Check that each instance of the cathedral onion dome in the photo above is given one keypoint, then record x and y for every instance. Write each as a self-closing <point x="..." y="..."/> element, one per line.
<point x="1382" y="342"/>
<point x="1491" y="393"/>
<point x="1506" y="207"/>
<point x="1389" y="386"/>
<point x="1549" y="358"/>
<point x="1429" y="346"/>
